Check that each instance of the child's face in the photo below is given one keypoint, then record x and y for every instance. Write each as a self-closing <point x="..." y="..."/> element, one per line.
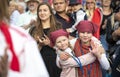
<point x="76" y="7"/>
<point x="85" y="37"/>
<point x="62" y="42"/>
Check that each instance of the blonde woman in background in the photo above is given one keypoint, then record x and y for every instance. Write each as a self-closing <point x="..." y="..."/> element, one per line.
<point x="94" y="15"/>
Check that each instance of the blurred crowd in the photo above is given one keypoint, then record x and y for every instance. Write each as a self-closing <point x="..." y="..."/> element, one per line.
<point x="60" y="38"/>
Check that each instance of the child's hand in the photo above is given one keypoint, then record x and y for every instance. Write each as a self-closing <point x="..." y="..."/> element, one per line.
<point x="97" y="50"/>
<point x="44" y="40"/>
<point x="64" y="56"/>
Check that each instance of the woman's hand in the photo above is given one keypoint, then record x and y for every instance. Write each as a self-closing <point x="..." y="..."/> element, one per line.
<point x="104" y="24"/>
<point x="44" y="40"/>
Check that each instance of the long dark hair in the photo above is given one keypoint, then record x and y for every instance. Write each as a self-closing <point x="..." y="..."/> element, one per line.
<point x="53" y="22"/>
<point x="4" y="14"/>
<point x="38" y="30"/>
<point x="115" y="6"/>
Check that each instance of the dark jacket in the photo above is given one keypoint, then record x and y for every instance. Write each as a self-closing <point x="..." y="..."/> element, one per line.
<point x="116" y="63"/>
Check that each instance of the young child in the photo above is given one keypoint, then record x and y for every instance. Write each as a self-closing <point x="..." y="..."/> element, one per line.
<point x="78" y="13"/>
<point x="60" y="39"/>
<point x="84" y="45"/>
<point x="62" y="45"/>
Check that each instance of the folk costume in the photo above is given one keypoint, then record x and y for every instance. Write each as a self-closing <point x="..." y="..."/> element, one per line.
<point x="90" y="70"/>
<point x="23" y="54"/>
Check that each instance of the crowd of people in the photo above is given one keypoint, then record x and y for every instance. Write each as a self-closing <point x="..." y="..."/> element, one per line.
<point x="59" y="38"/>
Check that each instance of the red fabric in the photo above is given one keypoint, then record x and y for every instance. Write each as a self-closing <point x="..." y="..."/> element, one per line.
<point x="54" y="35"/>
<point x="50" y="2"/>
<point x="86" y="26"/>
<point x="14" y="63"/>
<point x="95" y="71"/>
<point x="97" y="20"/>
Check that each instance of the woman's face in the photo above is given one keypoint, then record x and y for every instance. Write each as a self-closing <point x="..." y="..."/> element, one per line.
<point x="90" y="4"/>
<point x="44" y="12"/>
<point x="85" y="37"/>
<point x="106" y="3"/>
<point x="62" y="42"/>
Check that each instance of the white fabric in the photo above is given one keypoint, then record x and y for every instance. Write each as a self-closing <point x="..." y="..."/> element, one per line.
<point x="25" y="18"/>
<point x="80" y="14"/>
<point x="66" y="72"/>
<point x="30" y="60"/>
<point x="85" y="60"/>
<point x="70" y="62"/>
<point x="69" y="50"/>
<point x="14" y="16"/>
<point x="104" y="62"/>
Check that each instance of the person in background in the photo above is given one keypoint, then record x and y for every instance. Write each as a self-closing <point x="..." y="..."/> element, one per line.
<point x="107" y="12"/>
<point x="21" y="7"/>
<point x="69" y="10"/>
<point x="24" y="59"/>
<point x="45" y="24"/>
<point x="113" y="38"/>
<point x="113" y="23"/>
<point x="27" y="19"/>
<point x="78" y="13"/>
<point x="13" y="12"/>
<point x="61" y="15"/>
<point x="116" y="55"/>
<point x="94" y="14"/>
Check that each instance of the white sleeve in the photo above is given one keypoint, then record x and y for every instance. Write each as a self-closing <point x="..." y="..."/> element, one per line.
<point x="58" y="61"/>
<point x="104" y="62"/>
<point x="34" y="65"/>
<point x="79" y="17"/>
